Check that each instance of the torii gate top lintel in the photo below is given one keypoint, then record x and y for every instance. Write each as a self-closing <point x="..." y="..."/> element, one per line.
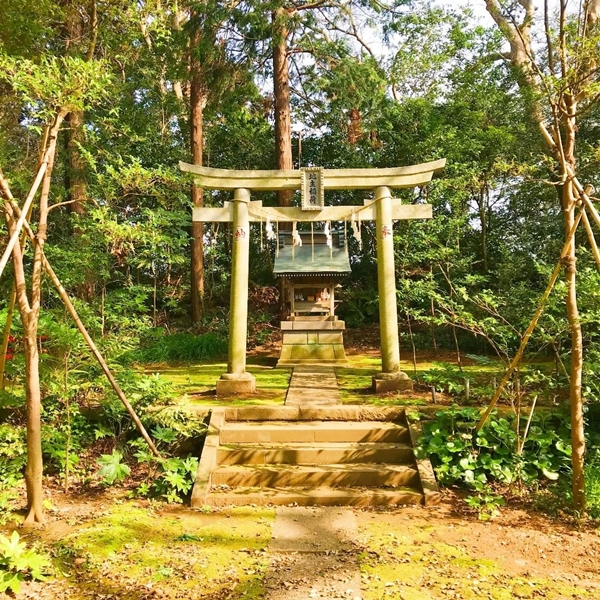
<point x="333" y="179"/>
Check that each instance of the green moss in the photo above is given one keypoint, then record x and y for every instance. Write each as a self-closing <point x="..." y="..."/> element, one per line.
<point x="195" y="384"/>
<point x="400" y="562"/>
<point x="191" y="551"/>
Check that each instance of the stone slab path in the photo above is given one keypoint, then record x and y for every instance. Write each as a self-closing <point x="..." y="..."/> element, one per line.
<point x="313" y="549"/>
<point x="313" y="555"/>
<point x="313" y="385"/>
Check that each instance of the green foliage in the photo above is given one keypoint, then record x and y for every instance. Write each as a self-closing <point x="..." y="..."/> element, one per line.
<point x="112" y="468"/>
<point x="18" y="563"/>
<point x="445" y="377"/>
<point x="175" y="479"/>
<point x="172" y="477"/>
<point x="498" y="452"/>
<point x="592" y="482"/>
<point x="55" y="82"/>
<point x="157" y="347"/>
<point x="13" y="454"/>
<point x="6" y="505"/>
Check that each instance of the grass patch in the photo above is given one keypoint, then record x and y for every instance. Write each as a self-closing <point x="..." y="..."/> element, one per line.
<point x="195" y="383"/>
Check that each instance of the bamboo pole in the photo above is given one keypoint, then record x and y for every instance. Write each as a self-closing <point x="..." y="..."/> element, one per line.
<point x="6" y="334"/>
<point x="26" y="207"/>
<point x="532" y="325"/>
<point x="591" y="237"/>
<point x="10" y="312"/>
<point x="11" y="209"/>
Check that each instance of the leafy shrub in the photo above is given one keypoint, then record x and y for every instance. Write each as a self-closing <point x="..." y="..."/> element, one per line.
<point x="13" y="454"/>
<point x="175" y="479"/>
<point x="462" y="455"/>
<point x="112" y="468"/>
<point x="178" y="347"/>
<point x="17" y="563"/>
<point x="445" y="377"/>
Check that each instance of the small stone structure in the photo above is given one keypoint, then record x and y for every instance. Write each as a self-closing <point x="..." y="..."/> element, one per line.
<point x="310" y="274"/>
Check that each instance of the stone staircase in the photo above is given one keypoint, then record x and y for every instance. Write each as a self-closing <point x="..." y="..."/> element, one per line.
<point x="327" y="456"/>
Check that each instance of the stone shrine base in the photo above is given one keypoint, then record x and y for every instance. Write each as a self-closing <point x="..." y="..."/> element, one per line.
<point x="392" y="382"/>
<point x="312" y="342"/>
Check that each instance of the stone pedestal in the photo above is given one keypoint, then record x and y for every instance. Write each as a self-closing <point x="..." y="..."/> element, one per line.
<point x="236" y="384"/>
<point x="392" y="382"/>
<point x="312" y="342"/>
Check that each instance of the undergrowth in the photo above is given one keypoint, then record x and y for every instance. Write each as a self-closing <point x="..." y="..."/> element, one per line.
<point x="157" y="347"/>
<point x="504" y="451"/>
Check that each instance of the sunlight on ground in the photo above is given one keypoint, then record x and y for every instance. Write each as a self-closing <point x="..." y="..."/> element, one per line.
<point x="195" y="384"/>
<point x="406" y="562"/>
<point x="130" y="545"/>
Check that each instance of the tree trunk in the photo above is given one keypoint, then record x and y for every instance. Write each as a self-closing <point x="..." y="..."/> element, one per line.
<point x="35" y="466"/>
<point x="198" y="98"/>
<point x="569" y="201"/>
<point x="576" y="399"/>
<point x="76" y="183"/>
<point x="281" y="92"/>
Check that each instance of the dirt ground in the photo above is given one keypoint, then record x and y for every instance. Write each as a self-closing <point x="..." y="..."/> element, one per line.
<point x="109" y="547"/>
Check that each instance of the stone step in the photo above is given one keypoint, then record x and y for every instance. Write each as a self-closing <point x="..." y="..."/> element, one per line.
<point x="315" y="413"/>
<point x="315" y="453"/>
<point x="313" y="431"/>
<point x="359" y="497"/>
<point x="348" y="475"/>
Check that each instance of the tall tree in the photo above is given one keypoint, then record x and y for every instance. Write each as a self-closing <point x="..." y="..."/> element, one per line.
<point x="281" y="94"/>
<point x="560" y="83"/>
<point x="198" y="100"/>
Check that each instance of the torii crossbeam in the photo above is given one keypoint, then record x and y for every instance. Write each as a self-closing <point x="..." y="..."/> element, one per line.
<point x="241" y="212"/>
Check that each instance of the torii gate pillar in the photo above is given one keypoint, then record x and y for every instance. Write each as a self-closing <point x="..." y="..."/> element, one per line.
<point x="237" y="380"/>
<point x="391" y="377"/>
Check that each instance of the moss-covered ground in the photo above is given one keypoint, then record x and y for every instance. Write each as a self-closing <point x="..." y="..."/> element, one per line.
<point x="108" y="547"/>
<point x="412" y="559"/>
<point x="195" y="383"/>
<point x="138" y="550"/>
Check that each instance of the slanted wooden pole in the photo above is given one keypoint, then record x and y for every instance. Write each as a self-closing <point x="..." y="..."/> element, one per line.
<point x="591" y="236"/>
<point x="6" y="334"/>
<point x="538" y="313"/>
<point x="12" y="209"/>
<point x="26" y="208"/>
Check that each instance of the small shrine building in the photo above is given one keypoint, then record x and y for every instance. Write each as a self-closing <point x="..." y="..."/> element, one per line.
<point x="310" y="269"/>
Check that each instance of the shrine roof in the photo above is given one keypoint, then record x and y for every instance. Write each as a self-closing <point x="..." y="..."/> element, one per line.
<point x="310" y="258"/>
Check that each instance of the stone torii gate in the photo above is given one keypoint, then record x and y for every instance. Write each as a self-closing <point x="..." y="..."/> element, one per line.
<point x="242" y="211"/>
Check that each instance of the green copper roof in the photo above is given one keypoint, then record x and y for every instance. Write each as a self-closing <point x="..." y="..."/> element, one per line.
<point x="324" y="260"/>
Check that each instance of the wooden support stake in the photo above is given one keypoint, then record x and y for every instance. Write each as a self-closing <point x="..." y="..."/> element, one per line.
<point x="11" y="209"/>
<point x="6" y="334"/>
<point x="538" y="313"/>
<point x="588" y="228"/>
<point x="26" y="207"/>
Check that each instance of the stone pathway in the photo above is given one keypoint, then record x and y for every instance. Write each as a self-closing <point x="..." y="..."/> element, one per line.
<point x="313" y="555"/>
<point x="313" y="385"/>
